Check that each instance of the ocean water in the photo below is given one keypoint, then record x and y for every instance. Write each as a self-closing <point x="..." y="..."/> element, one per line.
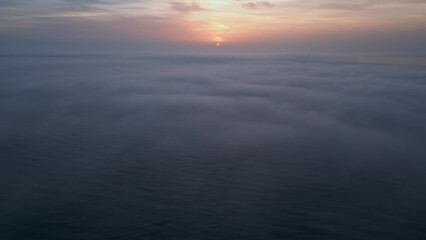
<point x="212" y="147"/>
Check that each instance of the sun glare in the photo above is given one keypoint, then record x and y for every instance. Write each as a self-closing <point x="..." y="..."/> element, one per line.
<point x="219" y="32"/>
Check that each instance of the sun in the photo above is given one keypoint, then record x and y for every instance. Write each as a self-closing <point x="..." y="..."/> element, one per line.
<point x="219" y="31"/>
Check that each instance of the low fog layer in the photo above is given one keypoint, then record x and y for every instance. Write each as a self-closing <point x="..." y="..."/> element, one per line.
<point x="319" y="100"/>
<point x="246" y="140"/>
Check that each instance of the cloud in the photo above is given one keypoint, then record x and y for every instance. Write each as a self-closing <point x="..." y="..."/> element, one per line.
<point x="344" y="6"/>
<point x="84" y="1"/>
<point x="6" y="3"/>
<point x="350" y="5"/>
<point x="186" y="7"/>
<point x="257" y="5"/>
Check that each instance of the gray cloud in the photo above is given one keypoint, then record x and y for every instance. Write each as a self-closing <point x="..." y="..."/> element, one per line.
<point x="349" y="5"/>
<point x="344" y="6"/>
<point x="6" y="3"/>
<point x="186" y="7"/>
<point x="257" y="4"/>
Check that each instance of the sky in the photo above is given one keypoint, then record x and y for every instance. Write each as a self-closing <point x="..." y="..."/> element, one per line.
<point x="361" y="25"/>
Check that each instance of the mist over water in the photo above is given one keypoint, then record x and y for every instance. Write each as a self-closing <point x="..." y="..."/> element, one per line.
<point x="212" y="147"/>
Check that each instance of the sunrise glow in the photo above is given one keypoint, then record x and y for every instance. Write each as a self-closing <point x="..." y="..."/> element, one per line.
<point x="244" y="22"/>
